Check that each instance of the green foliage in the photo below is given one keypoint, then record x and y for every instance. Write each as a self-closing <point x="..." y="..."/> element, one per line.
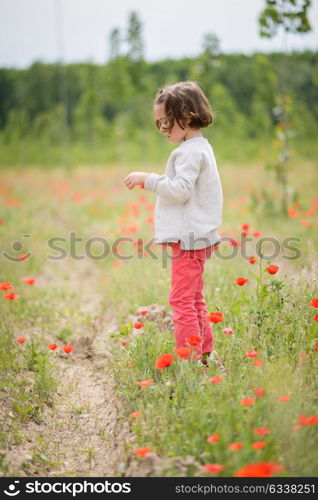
<point x="26" y="379"/>
<point x="177" y="414"/>
<point x="64" y="335"/>
<point x="123" y="331"/>
<point x="290" y="14"/>
<point x="92" y="113"/>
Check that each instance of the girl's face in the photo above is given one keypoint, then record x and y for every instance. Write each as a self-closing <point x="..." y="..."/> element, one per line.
<point x="176" y="134"/>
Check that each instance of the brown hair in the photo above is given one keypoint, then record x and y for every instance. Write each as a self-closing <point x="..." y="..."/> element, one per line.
<point x="185" y="101"/>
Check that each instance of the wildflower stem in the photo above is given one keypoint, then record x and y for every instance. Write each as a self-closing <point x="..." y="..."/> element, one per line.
<point x="259" y="282"/>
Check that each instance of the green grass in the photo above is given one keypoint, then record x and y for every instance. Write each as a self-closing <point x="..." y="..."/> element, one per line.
<point x="280" y="328"/>
<point x="273" y="317"/>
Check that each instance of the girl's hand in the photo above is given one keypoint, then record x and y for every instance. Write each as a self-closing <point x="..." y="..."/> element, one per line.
<point x="135" y="179"/>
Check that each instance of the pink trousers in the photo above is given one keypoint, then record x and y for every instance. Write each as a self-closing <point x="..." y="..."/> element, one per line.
<point x="186" y="298"/>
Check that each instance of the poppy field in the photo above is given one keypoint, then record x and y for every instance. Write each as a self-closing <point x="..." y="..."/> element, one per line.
<point x="91" y="383"/>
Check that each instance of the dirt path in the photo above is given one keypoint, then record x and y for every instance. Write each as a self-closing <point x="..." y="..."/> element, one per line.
<point x="81" y="435"/>
<point x="299" y="276"/>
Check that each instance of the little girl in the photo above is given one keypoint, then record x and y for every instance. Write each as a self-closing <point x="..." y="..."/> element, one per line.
<point x="188" y="209"/>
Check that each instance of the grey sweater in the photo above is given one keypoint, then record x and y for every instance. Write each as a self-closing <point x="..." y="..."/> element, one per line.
<point x="190" y="199"/>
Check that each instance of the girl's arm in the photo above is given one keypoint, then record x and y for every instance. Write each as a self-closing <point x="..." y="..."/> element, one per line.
<point x="179" y="189"/>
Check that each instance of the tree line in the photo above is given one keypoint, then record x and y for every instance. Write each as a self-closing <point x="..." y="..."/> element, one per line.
<point x="103" y="112"/>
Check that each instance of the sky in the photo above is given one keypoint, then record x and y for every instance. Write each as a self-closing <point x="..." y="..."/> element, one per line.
<point x="78" y="30"/>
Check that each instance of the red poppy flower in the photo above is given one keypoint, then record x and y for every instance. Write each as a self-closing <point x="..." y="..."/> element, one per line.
<point x="11" y="296"/>
<point x="215" y="317"/>
<point x="213" y="467"/>
<point x="235" y="446"/>
<point x="144" y="312"/>
<point x="215" y="380"/>
<point x="245" y="227"/>
<point x="234" y="243"/>
<point x="316" y="318"/>
<point x="310" y="213"/>
<point x="52" y="347"/>
<point x="164" y="361"/>
<point x="241" y="281"/>
<point x="145" y="383"/>
<point x="135" y="414"/>
<point x="293" y="213"/>
<point x="256" y="234"/>
<point x="142" y="452"/>
<point x="259" y="445"/>
<point x="228" y="331"/>
<point x="194" y="340"/>
<point x="251" y="354"/>
<point x="272" y="269"/>
<point x="304" y="420"/>
<point x="77" y="196"/>
<point x="314" y="203"/>
<point x="284" y="399"/>
<point x="260" y="469"/>
<point x="252" y="260"/>
<point x="213" y="438"/>
<point x="247" y="401"/>
<point x="142" y="186"/>
<point x="183" y="352"/>
<point x="259" y="391"/>
<point x="6" y="286"/>
<point x="21" y="340"/>
<point x="302" y="355"/>
<point x="313" y="303"/>
<point x="138" y="325"/>
<point x="316" y="347"/>
<point x="68" y="348"/>
<point x="28" y="281"/>
<point x="261" y="431"/>
<point x="258" y="362"/>
<point x="305" y="222"/>
<point x="124" y="342"/>
<point x="23" y="256"/>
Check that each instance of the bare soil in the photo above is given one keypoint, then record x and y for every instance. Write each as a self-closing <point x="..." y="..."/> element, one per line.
<point x="82" y="434"/>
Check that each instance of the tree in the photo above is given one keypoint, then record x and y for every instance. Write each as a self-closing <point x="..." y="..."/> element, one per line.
<point x="211" y="45"/>
<point x="208" y="60"/>
<point x="115" y="42"/>
<point x="134" y="38"/>
<point x="292" y="16"/>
